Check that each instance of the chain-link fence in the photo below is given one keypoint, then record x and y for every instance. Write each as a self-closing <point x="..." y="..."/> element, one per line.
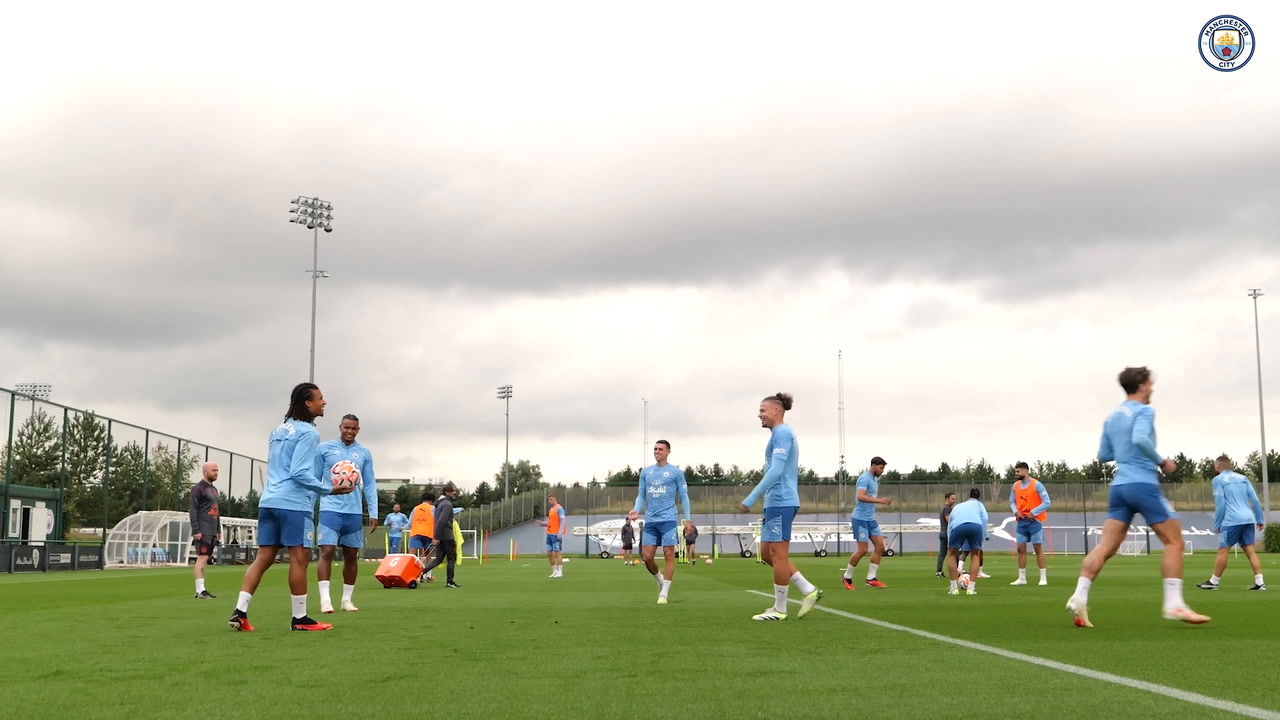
<point x="104" y="470"/>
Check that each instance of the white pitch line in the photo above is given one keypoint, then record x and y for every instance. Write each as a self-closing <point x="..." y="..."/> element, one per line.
<point x="1183" y="695"/>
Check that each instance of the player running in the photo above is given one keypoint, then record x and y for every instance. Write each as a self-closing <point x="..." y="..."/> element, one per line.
<point x="781" y="503"/>
<point x="340" y="515"/>
<point x="1028" y="500"/>
<point x="865" y="527"/>
<point x="1129" y="438"/>
<point x="661" y="485"/>
<point x="1237" y="513"/>
<point x="293" y="483"/>
<point x="968" y="530"/>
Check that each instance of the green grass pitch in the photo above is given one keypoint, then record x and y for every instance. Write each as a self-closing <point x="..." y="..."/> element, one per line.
<point x="594" y="644"/>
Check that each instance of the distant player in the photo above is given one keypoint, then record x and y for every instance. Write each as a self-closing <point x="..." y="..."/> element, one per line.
<point x="206" y="529"/>
<point x="555" y="526"/>
<point x="1237" y="513"/>
<point x="1028" y="500"/>
<point x="968" y="529"/>
<point x="690" y="542"/>
<point x="445" y="547"/>
<point x="1129" y="438"/>
<point x="422" y="528"/>
<point x="293" y="483"/>
<point x="944" y="516"/>
<point x="628" y="542"/>
<point x="661" y="485"/>
<point x="779" y="488"/>
<point x="340" y="516"/>
<point x="865" y="527"/>
<point x="396" y="523"/>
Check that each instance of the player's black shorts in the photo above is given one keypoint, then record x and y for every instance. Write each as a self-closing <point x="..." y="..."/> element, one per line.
<point x="203" y="547"/>
<point x="626" y="546"/>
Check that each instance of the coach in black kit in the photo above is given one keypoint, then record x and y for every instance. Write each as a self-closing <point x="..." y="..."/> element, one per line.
<point x="206" y="528"/>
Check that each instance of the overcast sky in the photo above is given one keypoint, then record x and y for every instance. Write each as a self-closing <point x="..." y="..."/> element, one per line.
<point x="991" y="211"/>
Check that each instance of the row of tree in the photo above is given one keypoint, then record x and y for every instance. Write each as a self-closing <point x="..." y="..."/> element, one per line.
<point x="104" y="480"/>
<point x="107" y="481"/>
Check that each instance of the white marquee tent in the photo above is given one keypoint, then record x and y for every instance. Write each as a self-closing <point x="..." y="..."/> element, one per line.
<point x="163" y="537"/>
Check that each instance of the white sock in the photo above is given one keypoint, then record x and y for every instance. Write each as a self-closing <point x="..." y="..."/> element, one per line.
<point x="1173" y="593"/>
<point x="804" y="586"/>
<point x="1044" y="574"/>
<point x="658" y="577"/>
<point x="871" y="571"/>
<point x="1082" y="589"/>
<point x="666" y="586"/>
<point x="1257" y="579"/>
<point x="955" y="584"/>
<point x="848" y="572"/>
<point x="243" y="603"/>
<point x="347" y="590"/>
<point x="324" y="590"/>
<point x="199" y="585"/>
<point x="780" y="598"/>
<point x="1022" y="573"/>
<point x="299" y="605"/>
<point x="1214" y="579"/>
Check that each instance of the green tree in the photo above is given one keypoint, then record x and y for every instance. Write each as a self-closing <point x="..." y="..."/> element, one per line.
<point x="86" y="463"/>
<point x="842" y="476"/>
<point x="919" y="476"/>
<point x="1204" y="470"/>
<point x="622" y="478"/>
<point x="808" y="476"/>
<point x="525" y="476"/>
<point x="1184" y="469"/>
<point x="1253" y="466"/>
<point x="594" y="483"/>
<point x="37" y="452"/>
<point x="1096" y="471"/>
<point x="128" y="468"/>
<point x="169" y="480"/>
<point x="410" y="495"/>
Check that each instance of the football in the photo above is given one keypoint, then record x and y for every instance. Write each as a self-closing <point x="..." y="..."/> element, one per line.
<point x="964" y="580"/>
<point x="708" y="561"/>
<point x="344" y="474"/>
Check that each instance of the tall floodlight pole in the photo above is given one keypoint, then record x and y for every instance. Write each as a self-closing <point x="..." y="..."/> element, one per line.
<point x="315" y="214"/>
<point x="644" y="433"/>
<point x="34" y="391"/>
<point x="504" y="393"/>
<point x="840" y="404"/>
<point x="1255" y="293"/>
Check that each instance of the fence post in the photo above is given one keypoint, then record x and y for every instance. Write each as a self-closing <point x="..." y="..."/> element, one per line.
<point x="177" y="471"/>
<point x="8" y="468"/>
<point x="106" y="484"/>
<point x="146" y="465"/>
<point x="1084" y="515"/>
<point x="231" y="477"/>
<point x="58" y="530"/>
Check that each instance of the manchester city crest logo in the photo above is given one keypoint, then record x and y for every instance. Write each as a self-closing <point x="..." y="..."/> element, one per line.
<point x="1226" y="43"/>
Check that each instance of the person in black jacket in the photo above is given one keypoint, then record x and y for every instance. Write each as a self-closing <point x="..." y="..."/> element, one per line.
<point x="443" y="545"/>
<point x="206" y="527"/>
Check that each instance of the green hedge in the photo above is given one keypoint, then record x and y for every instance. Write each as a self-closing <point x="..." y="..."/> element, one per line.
<point x="1271" y="541"/>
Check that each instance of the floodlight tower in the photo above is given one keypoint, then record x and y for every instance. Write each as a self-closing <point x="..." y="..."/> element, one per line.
<point x="315" y="214"/>
<point x="504" y="393"/>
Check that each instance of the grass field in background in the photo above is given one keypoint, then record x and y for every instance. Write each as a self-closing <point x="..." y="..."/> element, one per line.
<point x="514" y="643"/>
